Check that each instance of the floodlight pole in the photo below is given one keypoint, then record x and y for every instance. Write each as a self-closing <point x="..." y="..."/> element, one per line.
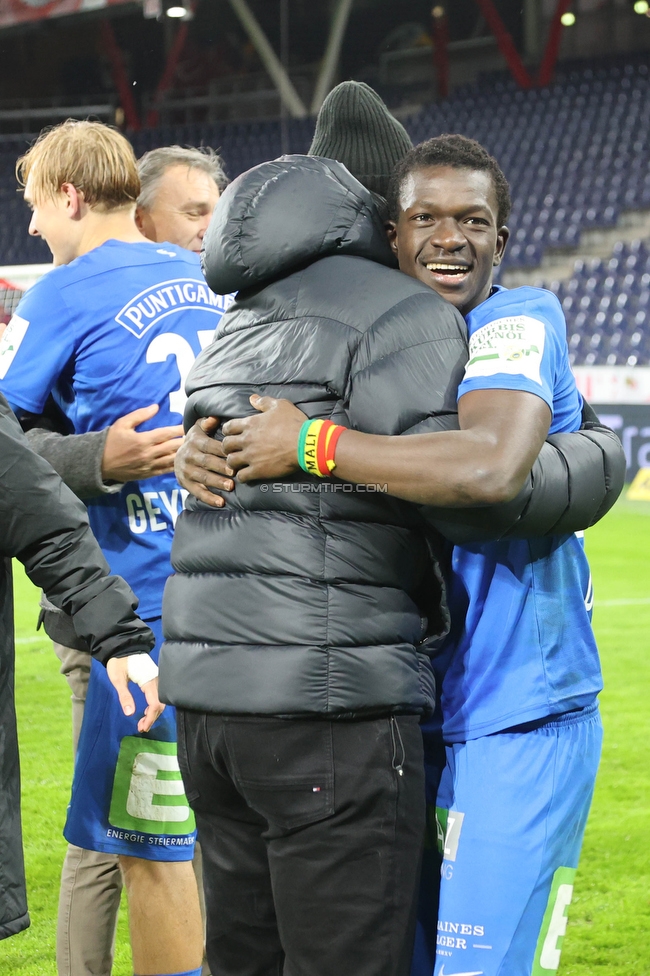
<point x="288" y="94"/>
<point x="120" y="79"/>
<point x="167" y="77"/>
<point x="332" y="54"/>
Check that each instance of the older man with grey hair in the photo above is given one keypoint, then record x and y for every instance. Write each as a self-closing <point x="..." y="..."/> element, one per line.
<point x="179" y="189"/>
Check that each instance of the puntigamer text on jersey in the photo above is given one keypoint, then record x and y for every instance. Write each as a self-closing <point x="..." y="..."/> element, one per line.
<point x="155" y="303"/>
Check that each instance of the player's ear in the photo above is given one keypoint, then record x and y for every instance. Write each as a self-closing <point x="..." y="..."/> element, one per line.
<point x="74" y="199"/>
<point x="138" y="219"/>
<point x="391" y="231"/>
<point x="500" y="249"/>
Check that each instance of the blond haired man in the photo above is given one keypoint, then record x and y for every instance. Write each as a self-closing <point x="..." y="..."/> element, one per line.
<point x="118" y="322"/>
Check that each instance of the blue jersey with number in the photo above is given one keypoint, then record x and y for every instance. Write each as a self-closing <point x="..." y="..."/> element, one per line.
<point x="117" y="329"/>
<point x="521" y="646"/>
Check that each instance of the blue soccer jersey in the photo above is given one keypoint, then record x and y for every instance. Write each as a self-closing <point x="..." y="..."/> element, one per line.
<point x="521" y="646"/>
<point x="117" y="329"/>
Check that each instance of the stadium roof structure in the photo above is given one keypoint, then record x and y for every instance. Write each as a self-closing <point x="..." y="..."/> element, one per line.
<point x="127" y="61"/>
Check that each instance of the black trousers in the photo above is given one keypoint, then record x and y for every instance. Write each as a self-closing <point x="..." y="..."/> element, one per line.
<point x="312" y="836"/>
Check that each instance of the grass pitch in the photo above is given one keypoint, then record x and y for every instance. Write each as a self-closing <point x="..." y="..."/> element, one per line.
<point x="609" y="920"/>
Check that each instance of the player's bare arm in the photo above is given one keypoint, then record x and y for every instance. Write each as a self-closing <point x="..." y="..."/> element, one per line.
<point x="484" y="463"/>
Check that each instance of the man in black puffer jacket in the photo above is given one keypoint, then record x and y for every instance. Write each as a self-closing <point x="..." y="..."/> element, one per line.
<point x="312" y="828"/>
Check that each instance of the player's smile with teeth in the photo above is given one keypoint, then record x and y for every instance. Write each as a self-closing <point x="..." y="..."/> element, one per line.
<point x="441" y="267"/>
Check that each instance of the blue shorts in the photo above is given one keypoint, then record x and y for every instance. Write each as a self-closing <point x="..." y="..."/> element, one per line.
<point x="511" y="814"/>
<point x="127" y="792"/>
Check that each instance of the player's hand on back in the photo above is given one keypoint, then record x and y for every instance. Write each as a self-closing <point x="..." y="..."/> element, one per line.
<point x="201" y="463"/>
<point x="131" y="455"/>
<point x="264" y="445"/>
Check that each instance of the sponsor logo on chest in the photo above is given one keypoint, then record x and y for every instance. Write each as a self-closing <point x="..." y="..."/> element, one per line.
<point x="166" y="298"/>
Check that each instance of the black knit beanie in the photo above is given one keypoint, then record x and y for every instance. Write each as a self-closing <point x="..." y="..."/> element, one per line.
<point x="355" y="128"/>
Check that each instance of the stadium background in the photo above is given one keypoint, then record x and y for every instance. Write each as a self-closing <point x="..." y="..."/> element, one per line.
<point x="559" y="92"/>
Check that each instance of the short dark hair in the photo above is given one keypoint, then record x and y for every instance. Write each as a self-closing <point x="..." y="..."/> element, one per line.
<point x="458" y="152"/>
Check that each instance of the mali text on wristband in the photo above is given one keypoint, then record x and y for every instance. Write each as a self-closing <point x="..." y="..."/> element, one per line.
<point x="316" y="446"/>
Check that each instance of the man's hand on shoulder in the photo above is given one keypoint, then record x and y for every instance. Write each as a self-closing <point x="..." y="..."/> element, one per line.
<point x="264" y="445"/>
<point x="201" y="463"/>
<point x="130" y="455"/>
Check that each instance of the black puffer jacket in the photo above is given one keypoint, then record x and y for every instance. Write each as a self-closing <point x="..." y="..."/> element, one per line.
<point x="301" y="597"/>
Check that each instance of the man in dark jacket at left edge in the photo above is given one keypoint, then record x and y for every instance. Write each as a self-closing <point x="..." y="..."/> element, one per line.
<point x="45" y="526"/>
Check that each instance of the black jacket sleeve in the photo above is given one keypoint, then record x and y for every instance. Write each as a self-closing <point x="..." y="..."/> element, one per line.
<point x="575" y="480"/>
<point x="46" y="528"/>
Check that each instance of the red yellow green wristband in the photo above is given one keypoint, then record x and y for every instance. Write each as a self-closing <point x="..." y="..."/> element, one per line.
<point x="316" y="446"/>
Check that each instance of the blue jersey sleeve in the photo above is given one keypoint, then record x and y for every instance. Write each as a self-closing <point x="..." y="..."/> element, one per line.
<point x="36" y="346"/>
<point x="517" y="341"/>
